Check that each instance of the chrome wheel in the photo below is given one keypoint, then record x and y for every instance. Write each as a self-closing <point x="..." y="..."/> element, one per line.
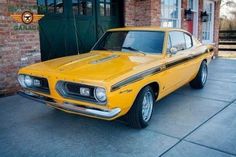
<point x="204" y="74"/>
<point x="147" y="106"/>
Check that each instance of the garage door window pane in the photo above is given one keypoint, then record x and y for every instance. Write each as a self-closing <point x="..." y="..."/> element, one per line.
<point x="59" y="6"/>
<point x="102" y="10"/>
<point x="105" y="7"/>
<point x="108" y="10"/>
<point x="50" y="5"/>
<point x="41" y="6"/>
<point x="75" y="7"/>
<point x="85" y="8"/>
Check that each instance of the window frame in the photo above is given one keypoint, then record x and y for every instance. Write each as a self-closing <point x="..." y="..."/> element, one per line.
<point x="170" y="19"/>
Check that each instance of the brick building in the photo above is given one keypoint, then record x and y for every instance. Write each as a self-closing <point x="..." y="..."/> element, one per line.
<point x="72" y="26"/>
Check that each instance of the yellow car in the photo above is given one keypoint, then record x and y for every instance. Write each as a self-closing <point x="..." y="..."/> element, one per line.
<point x="126" y="72"/>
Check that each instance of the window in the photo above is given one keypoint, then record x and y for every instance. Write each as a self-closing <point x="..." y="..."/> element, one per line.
<point x="177" y="40"/>
<point x="105" y="7"/>
<point x="170" y="13"/>
<point x="188" y="41"/>
<point x="41" y="6"/>
<point x="82" y="7"/>
<point x="50" y="6"/>
<point x="127" y="41"/>
<point x="59" y="6"/>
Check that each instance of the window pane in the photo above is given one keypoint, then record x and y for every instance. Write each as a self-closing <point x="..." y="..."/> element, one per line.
<point x="190" y="4"/>
<point x="59" y="6"/>
<point x="108" y="9"/>
<point x="177" y="40"/>
<point x="50" y="4"/>
<point x="169" y="23"/>
<point x="169" y="13"/>
<point x="75" y="7"/>
<point x="89" y="8"/>
<point x="82" y="8"/>
<point x="102" y="9"/>
<point x="85" y="8"/>
<point x="41" y="6"/>
<point x="145" y="41"/>
<point x="188" y="40"/>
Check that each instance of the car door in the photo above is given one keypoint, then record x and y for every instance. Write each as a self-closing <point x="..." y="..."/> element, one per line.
<point x="177" y="72"/>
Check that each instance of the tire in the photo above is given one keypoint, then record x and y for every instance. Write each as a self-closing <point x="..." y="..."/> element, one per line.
<point x="200" y="80"/>
<point x="141" y="111"/>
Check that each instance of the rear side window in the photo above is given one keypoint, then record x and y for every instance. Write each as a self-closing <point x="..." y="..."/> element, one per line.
<point x="188" y="41"/>
<point x="177" y="40"/>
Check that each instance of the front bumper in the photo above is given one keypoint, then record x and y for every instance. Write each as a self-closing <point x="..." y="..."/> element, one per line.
<point x="73" y="108"/>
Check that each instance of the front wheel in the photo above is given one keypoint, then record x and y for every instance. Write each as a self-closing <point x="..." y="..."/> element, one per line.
<point x="141" y="111"/>
<point x="200" y="80"/>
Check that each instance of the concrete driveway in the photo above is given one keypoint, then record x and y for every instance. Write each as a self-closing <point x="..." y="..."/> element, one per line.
<point x="186" y="123"/>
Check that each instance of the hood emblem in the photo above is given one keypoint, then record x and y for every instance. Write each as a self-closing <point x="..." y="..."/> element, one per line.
<point x="104" y="59"/>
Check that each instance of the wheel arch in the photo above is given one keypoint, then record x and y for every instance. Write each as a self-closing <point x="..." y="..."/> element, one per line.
<point x="155" y="87"/>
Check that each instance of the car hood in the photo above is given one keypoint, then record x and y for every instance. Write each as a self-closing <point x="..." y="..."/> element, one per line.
<point x="96" y="65"/>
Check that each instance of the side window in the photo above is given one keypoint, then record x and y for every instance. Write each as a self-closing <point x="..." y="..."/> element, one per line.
<point x="177" y="40"/>
<point x="188" y="41"/>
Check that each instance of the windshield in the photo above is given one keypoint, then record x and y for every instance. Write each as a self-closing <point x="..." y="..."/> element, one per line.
<point x="132" y="41"/>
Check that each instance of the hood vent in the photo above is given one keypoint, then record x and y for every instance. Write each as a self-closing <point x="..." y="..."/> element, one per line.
<point x="104" y="59"/>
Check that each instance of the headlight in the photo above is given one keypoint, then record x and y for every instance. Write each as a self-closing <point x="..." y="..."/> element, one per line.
<point x="100" y="94"/>
<point x="21" y="80"/>
<point x="28" y="81"/>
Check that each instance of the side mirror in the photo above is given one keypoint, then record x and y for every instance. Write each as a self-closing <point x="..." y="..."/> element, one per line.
<point x="173" y="50"/>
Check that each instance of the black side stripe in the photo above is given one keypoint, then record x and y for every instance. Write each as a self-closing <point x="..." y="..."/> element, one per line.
<point x="152" y="71"/>
<point x="135" y="78"/>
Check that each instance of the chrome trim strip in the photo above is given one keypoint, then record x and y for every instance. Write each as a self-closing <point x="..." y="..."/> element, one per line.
<point x="75" y="108"/>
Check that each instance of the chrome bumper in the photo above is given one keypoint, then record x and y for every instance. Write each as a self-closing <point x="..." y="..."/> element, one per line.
<point x="74" y="108"/>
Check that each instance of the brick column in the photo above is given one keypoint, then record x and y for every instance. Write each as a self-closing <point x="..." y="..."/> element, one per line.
<point x="17" y="47"/>
<point x="155" y="12"/>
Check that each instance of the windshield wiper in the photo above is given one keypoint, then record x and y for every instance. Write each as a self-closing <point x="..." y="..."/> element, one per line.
<point x="133" y="49"/>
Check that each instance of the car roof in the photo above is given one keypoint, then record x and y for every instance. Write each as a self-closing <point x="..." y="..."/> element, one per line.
<point x="146" y="28"/>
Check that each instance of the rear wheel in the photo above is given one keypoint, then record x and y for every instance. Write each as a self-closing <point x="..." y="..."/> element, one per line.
<point x="141" y="111"/>
<point x="200" y="80"/>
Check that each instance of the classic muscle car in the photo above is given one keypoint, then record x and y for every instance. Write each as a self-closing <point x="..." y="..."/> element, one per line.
<point x="126" y="72"/>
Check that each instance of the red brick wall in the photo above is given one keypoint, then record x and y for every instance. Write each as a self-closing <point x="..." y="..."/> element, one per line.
<point x="17" y="48"/>
<point x="142" y="12"/>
